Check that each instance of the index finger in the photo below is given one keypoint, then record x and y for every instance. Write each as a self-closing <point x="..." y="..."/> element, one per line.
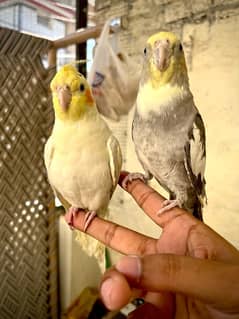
<point x="117" y="237"/>
<point x="150" y="201"/>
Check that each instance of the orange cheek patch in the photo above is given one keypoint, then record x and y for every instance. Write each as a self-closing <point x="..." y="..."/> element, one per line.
<point x="89" y="97"/>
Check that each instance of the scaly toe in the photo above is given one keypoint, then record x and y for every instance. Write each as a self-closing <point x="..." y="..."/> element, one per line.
<point x="89" y="216"/>
<point x="131" y="177"/>
<point x="69" y="216"/>
<point x="167" y="205"/>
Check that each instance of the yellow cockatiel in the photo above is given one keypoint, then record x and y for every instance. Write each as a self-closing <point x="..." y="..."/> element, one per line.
<point x="82" y="157"/>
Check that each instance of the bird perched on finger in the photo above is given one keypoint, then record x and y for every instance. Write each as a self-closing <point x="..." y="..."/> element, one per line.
<point x="167" y="130"/>
<point x="82" y="157"/>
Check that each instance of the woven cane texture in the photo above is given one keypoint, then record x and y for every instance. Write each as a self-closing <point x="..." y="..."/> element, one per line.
<point x="28" y="226"/>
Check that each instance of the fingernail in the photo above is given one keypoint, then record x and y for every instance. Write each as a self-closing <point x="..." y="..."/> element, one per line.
<point x="106" y="290"/>
<point x="130" y="266"/>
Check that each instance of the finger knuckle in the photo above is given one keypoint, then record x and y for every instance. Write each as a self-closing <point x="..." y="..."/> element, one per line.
<point x="171" y="267"/>
<point x="144" y="197"/>
<point x="144" y="247"/>
<point x="110" y="234"/>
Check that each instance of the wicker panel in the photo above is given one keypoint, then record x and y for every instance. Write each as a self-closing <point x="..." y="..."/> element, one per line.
<point x="28" y="226"/>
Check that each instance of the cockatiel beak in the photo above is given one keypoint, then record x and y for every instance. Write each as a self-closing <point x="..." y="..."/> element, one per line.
<point x="64" y="95"/>
<point x="161" y="54"/>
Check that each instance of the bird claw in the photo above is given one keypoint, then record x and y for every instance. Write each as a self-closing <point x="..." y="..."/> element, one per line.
<point x="167" y="205"/>
<point x="133" y="176"/>
<point x="89" y="216"/>
<point x="70" y="215"/>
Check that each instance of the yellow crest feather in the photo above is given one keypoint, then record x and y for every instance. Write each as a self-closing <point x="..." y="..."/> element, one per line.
<point x="162" y="35"/>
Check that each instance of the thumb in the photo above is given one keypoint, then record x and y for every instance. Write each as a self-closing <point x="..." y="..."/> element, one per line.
<point x="207" y="280"/>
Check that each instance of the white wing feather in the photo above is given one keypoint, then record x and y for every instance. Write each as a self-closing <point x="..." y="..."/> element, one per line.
<point x="195" y="156"/>
<point x="115" y="159"/>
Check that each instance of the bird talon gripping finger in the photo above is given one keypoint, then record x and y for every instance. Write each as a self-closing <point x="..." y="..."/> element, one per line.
<point x="167" y="205"/>
<point x="70" y="215"/>
<point x="89" y="216"/>
<point x="133" y="176"/>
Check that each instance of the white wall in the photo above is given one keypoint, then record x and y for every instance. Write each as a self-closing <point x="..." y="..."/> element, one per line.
<point x="214" y="80"/>
<point x="28" y="22"/>
<point x="8" y="16"/>
<point x="56" y="29"/>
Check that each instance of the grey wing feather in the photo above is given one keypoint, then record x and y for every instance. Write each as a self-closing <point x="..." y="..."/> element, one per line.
<point x="115" y="159"/>
<point x="195" y="156"/>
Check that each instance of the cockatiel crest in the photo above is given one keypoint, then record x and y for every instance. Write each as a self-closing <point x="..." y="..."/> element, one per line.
<point x="82" y="157"/>
<point x="168" y="131"/>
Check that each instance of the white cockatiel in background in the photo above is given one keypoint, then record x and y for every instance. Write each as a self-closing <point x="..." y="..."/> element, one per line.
<point x="168" y="131"/>
<point x="82" y="157"/>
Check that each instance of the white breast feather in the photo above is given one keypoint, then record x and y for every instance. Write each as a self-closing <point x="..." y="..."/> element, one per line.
<point x="151" y="99"/>
<point x="84" y="156"/>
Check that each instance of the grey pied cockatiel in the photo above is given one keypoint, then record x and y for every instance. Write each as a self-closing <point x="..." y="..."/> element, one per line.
<point x="82" y="157"/>
<point x="168" y="131"/>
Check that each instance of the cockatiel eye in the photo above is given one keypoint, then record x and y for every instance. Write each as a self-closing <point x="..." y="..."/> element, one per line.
<point x="82" y="87"/>
<point x="180" y="47"/>
<point x="145" y="51"/>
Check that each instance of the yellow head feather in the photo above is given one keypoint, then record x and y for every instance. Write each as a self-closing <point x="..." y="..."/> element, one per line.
<point x="176" y="69"/>
<point x="80" y="100"/>
<point x="162" y="35"/>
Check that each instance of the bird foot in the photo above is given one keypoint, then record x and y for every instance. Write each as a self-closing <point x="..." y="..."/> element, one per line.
<point x="133" y="176"/>
<point x="89" y="216"/>
<point x="69" y="217"/>
<point x="71" y="213"/>
<point x="167" y="205"/>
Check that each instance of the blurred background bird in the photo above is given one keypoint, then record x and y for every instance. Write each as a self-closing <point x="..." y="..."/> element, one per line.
<point x="82" y="157"/>
<point x="168" y="131"/>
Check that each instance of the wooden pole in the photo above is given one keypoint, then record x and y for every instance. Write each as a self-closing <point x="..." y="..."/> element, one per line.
<point x="52" y="57"/>
<point x="77" y="37"/>
<point x="80" y="36"/>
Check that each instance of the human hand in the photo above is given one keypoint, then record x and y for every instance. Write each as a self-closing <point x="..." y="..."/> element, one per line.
<point x="189" y="272"/>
